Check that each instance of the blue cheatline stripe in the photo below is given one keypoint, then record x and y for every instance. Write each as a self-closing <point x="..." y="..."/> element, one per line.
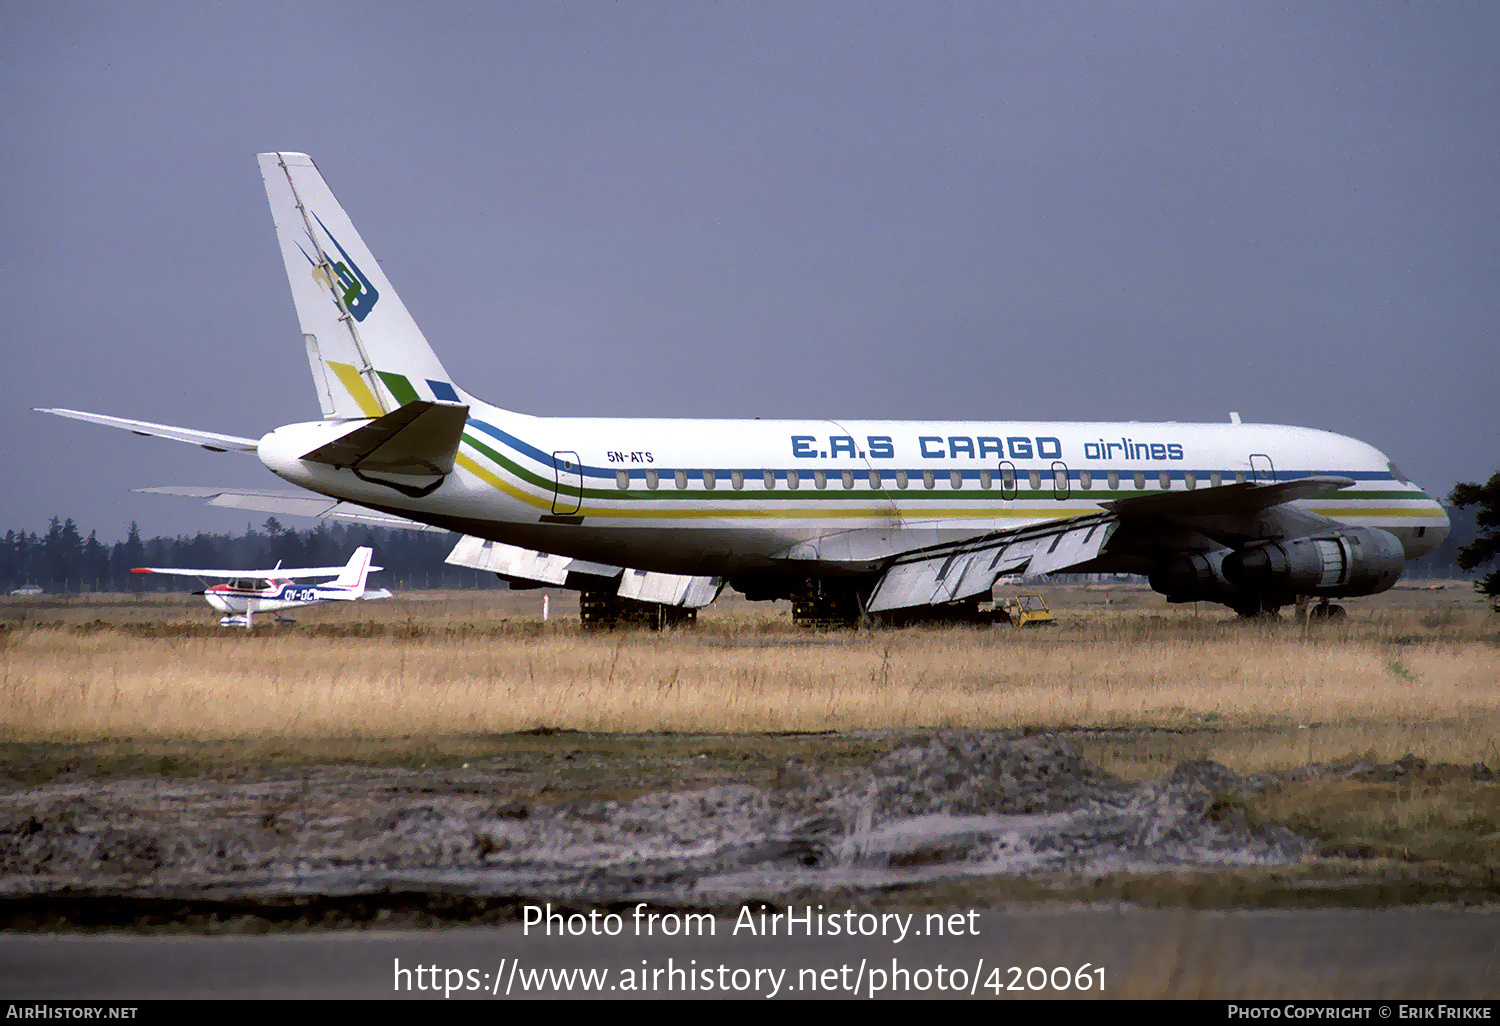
<point x="1127" y="476"/>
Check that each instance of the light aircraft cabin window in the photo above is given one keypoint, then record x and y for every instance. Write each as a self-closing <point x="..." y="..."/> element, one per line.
<point x="1239" y="477"/>
<point x="622" y="479"/>
<point x="1214" y="480"/>
<point x="1086" y="479"/>
<point x="708" y="480"/>
<point x="770" y="480"/>
<point x="1190" y="479"/>
<point x="985" y="480"/>
<point x="1036" y="480"/>
<point x="1114" y="480"/>
<point x="1140" y="480"/>
<point x="737" y="479"/>
<point x="874" y="479"/>
<point x="956" y="479"/>
<point x="681" y="476"/>
<point x="848" y="476"/>
<point x="1164" y="479"/>
<point x="927" y="479"/>
<point x="652" y="480"/>
<point x="820" y="479"/>
<point x="792" y="480"/>
<point x="900" y="479"/>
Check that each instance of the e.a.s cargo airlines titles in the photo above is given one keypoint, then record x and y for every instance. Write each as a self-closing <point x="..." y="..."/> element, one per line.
<point x="855" y="521"/>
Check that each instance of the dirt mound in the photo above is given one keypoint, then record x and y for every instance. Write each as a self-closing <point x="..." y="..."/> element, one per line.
<point x="959" y="803"/>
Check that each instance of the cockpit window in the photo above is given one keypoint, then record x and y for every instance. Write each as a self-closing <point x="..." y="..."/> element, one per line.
<point x="1396" y="473"/>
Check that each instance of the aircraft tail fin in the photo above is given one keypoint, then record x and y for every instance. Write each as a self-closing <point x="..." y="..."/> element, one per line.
<point x="368" y="356"/>
<point x="357" y="570"/>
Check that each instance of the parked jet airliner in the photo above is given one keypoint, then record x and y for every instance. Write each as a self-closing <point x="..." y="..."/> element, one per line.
<point x="854" y="520"/>
<point x="247" y="592"/>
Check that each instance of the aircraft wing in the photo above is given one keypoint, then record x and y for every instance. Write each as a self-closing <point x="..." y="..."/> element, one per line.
<point x="300" y="504"/>
<point x="952" y="571"/>
<point x="279" y="573"/>
<point x="531" y="568"/>
<point x="208" y="439"/>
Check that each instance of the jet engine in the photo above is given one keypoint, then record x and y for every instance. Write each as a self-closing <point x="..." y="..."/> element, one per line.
<point x="1358" y="561"/>
<point x="1264" y="575"/>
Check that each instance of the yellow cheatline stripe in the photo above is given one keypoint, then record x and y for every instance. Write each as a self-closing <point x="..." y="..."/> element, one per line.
<point x="357" y="388"/>
<point x="866" y="513"/>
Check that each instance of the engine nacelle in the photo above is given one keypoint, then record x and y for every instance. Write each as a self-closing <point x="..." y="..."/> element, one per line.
<point x="1357" y="561"/>
<point x="1194" y="576"/>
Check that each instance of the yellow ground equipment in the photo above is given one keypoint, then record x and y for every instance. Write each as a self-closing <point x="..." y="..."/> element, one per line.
<point x="1023" y="611"/>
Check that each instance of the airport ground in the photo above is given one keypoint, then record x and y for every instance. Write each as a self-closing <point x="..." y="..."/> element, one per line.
<point x="1373" y="738"/>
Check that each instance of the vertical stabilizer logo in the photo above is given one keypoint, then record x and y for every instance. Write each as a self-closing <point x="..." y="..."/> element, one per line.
<point x="350" y="288"/>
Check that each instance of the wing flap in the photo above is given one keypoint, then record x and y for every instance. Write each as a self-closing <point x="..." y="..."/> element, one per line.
<point x="420" y="438"/>
<point x="960" y="570"/>
<point x="669" y="589"/>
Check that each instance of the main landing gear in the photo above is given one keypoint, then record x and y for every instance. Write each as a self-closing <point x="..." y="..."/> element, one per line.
<point x="603" y="610"/>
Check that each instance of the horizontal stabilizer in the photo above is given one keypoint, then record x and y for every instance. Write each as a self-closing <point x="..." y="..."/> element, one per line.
<point x="1244" y="497"/>
<point x="419" y="438"/>
<point x="208" y="439"/>
<point x="298" y="504"/>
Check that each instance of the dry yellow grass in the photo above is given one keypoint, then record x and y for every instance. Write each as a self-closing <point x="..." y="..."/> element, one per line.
<point x="1388" y="681"/>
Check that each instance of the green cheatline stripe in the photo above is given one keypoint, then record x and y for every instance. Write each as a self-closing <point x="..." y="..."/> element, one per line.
<point x="400" y="387"/>
<point x="547" y="486"/>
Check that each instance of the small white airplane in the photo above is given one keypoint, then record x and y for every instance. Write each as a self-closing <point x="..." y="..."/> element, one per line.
<point x="855" y="521"/>
<point x="246" y="592"/>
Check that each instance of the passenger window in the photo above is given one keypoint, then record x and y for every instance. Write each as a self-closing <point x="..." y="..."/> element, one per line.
<point x="985" y="480"/>
<point x="820" y="479"/>
<point x="1140" y="480"/>
<point x="848" y="476"/>
<point x="1086" y="479"/>
<point x="1189" y="479"/>
<point x="900" y="479"/>
<point x="927" y="479"/>
<point x="737" y="479"/>
<point x="1036" y="480"/>
<point x="956" y="479"/>
<point x="1007" y="480"/>
<point x="681" y="476"/>
<point x="792" y="480"/>
<point x="770" y="480"/>
<point x="622" y="479"/>
<point x="709" y="480"/>
<point x="652" y="479"/>
<point x="874" y="479"/>
<point x="1114" y="480"/>
<point x="1165" y="478"/>
<point x="1239" y="477"/>
<point x="1214" y="480"/>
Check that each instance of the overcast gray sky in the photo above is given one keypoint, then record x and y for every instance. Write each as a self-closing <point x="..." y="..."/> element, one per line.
<point x="1133" y="211"/>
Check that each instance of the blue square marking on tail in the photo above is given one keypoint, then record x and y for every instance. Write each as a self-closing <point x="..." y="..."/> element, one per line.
<point x="444" y="391"/>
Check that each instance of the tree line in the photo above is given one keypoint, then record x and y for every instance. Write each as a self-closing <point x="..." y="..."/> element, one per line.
<point x="62" y="560"/>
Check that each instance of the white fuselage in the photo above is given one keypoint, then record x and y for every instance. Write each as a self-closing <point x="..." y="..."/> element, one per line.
<point x="721" y="497"/>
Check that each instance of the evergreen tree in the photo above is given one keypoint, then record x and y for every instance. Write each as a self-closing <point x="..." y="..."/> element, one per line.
<point x="1485" y="548"/>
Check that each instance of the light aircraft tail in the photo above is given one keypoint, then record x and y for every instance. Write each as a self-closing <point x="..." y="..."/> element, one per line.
<point x="368" y="356"/>
<point x="356" y="570"/>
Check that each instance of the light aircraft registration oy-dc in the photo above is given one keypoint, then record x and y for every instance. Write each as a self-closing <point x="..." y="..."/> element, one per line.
<point x="854" y="521"/>
<point x="247" y="592"/>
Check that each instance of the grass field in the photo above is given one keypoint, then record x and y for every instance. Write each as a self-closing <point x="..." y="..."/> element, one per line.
<point x="1415" y="672"/>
